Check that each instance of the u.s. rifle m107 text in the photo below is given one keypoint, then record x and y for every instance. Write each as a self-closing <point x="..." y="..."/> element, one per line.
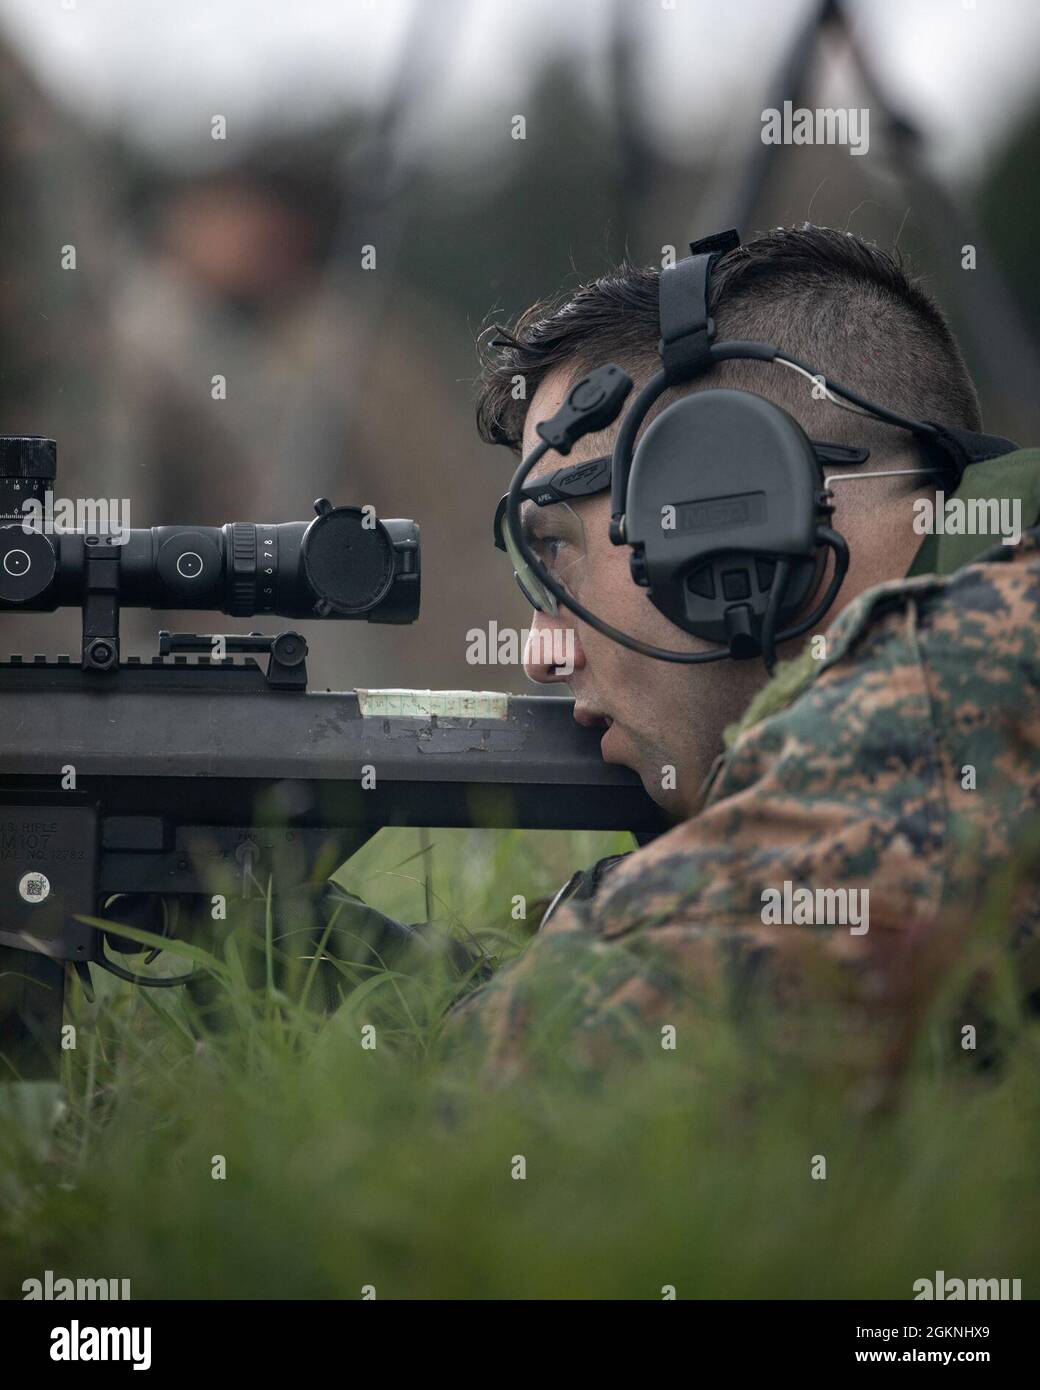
<point x="128" y="786"/>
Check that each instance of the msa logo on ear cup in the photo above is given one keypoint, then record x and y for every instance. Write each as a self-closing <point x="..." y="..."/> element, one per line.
<point x="723" y="484"/>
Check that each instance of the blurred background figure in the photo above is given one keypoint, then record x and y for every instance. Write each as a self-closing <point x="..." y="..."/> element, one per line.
<point x="226" y="281"/>
<point x="391" y="178"/>
<point x="233" y="278"/>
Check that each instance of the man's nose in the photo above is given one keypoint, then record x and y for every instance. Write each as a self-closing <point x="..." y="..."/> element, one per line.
<point x="553" y="652"/>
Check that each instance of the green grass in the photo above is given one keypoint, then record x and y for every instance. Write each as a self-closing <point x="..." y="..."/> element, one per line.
<point x="392" y="1168"/>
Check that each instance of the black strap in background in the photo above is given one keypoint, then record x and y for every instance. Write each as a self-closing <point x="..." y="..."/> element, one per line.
<point x="582" y="885"/>
<point x="955" y="450"/>
<point x="687" y="329"/>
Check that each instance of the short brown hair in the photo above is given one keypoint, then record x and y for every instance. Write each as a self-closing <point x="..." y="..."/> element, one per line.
<point x="851" y="310"/>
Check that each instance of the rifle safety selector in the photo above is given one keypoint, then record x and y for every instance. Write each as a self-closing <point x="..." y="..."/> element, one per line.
<point x="287" y="652"/>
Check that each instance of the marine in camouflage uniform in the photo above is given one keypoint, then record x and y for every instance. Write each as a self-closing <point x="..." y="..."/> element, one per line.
<point x="906" y="762"/>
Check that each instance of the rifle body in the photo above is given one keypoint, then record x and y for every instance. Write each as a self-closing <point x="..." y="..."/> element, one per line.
<point x="175" y="780"/>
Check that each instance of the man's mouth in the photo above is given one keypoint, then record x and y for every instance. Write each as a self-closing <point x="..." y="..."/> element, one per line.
<point x="592" y="718"/>
<point x="596" y="719"/>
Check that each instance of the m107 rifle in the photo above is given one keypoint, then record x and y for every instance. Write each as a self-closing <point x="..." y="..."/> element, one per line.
<point x="134" y="791"/>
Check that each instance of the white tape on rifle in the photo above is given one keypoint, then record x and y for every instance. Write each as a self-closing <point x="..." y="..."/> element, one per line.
<point x="423" y="704"/>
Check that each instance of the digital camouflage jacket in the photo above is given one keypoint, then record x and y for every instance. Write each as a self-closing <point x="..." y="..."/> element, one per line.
<point x="905" y="763"/>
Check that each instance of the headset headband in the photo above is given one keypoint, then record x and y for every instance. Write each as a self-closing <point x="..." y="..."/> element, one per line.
<point x="688" y="331"/>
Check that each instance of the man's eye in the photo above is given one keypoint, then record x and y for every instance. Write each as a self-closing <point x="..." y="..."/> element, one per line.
<point x="549" y="547"/>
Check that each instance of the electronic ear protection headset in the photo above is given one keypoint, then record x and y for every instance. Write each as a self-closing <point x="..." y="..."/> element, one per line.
<point x="723" y="503"/>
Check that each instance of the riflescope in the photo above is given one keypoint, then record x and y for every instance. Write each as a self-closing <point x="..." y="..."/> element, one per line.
<point x="344" y="563"/>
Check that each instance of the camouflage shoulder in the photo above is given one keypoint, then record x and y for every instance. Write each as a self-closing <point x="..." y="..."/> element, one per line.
<point x="572" y="1002"/>
<point x="794" y="677"/>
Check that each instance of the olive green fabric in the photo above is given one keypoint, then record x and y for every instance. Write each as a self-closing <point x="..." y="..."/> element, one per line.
<point x="1009" y="476"/>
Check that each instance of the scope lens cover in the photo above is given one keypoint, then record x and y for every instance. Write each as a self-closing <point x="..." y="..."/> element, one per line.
<point x="348" y="559"/>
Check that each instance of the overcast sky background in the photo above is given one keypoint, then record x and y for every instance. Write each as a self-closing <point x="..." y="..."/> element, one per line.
<point x="161" y="68"/>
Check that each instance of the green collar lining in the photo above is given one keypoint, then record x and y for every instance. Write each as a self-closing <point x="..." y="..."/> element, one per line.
<point x="1012" y="476"/>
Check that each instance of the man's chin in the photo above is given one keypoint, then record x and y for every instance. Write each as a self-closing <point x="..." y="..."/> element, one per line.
<point x="612" y="747"/>
<point x="616" y="748"/>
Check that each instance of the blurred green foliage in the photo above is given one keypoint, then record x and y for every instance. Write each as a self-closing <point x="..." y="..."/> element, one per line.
<point x="390" y="1167"/>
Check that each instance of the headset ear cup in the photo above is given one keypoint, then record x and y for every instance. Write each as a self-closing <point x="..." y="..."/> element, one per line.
<point x="723" y="485"/>
<point x="801" y="580"/>
<point x="806" y="590"/>
<point x="790" y="588"/>
<point x="724" y="598"/>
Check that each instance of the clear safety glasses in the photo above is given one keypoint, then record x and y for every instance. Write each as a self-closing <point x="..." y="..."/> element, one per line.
<point x="554" y="531"/>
